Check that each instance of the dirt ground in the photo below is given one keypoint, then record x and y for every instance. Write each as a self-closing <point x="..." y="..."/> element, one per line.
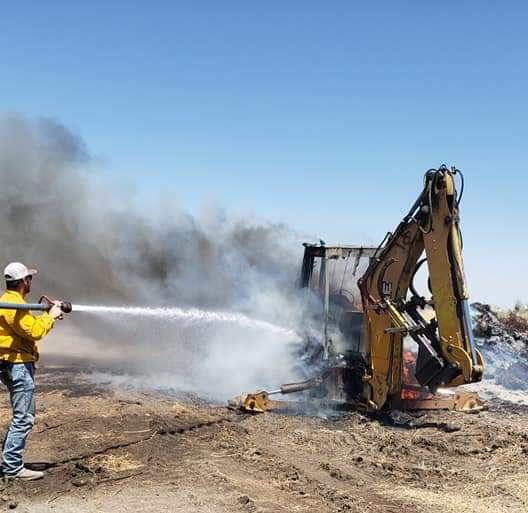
<point x="109" y="451"/>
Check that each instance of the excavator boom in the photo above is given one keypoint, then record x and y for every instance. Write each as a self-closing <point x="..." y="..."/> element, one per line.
<point x="447" y="355"/>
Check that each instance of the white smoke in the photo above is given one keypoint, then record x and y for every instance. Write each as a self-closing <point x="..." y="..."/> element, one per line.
<point x="60" y="214"/>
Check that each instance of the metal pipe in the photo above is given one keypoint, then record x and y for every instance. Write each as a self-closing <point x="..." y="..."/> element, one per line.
<point x="326" y="306"/>
<point x="66" y="307"/>
<point x="291" y="388"/>
<point x="469" y="331"/>
<point x="25" y="306"/>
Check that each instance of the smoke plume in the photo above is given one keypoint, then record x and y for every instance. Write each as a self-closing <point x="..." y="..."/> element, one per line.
<point x="63" y="216"/>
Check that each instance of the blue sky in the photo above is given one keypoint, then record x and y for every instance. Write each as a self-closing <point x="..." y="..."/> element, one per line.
<point x="323" y="115"/>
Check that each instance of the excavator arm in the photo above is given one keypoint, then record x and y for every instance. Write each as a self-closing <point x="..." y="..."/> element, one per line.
<point x="447" y="355"/>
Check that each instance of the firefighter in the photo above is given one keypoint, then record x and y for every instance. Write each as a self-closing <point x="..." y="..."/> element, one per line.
<point x="20" y="332"/>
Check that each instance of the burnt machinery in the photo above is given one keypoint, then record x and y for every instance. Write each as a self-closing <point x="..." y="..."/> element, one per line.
<point x="380" y="343"/>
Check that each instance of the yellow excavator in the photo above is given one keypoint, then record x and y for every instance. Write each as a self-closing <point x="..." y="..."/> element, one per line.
<point x="378" y="343"/>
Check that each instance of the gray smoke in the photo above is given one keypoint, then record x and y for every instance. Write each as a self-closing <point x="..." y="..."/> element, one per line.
<point x="58" y="213"/>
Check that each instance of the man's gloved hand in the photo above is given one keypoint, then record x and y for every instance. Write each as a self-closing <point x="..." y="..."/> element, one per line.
<point x="56" y="312"/>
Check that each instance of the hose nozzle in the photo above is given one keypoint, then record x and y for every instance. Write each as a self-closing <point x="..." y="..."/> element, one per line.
<point x="65" y="306"/>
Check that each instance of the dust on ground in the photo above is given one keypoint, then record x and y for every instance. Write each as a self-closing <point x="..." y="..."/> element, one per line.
<point x="105" y="450"/>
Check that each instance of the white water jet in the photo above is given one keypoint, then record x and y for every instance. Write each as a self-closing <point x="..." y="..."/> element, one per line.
<point x="191" y="316"/>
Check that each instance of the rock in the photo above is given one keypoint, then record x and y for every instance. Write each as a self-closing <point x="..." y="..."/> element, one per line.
<point x="244" y="499"/>
<point x="13" y="505"/>
<point x="79" y="482"/>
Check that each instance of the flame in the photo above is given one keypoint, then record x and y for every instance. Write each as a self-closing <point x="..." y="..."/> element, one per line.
<point x="411" y="388"/>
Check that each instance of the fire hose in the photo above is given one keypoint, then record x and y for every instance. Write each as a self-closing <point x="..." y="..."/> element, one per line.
<point x="44" y="305"/>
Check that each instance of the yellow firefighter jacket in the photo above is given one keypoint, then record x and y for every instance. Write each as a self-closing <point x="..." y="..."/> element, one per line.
<point x="20" y="331"/>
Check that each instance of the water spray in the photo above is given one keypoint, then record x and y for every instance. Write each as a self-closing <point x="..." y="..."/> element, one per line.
<point x="191" y="315"/>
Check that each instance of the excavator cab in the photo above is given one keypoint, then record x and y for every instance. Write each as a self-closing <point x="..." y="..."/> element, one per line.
<point x="330" y="273"/>
<point x="334" y="315"/>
